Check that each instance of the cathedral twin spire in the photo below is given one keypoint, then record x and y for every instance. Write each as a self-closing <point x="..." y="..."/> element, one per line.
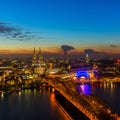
<point x="40" y="58"/>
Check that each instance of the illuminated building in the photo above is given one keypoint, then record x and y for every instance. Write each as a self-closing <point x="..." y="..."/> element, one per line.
<point x="39" y="66"/>
<point x="87" y="58"/>
<point x="40" y="57"/>
<point x="34" y="60"/>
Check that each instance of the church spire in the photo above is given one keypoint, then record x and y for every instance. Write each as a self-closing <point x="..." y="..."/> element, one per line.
<point x="34" y="60"/>
<point x="40" y="58"/>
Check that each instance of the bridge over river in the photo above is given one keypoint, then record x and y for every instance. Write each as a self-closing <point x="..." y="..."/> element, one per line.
<point x="90" y="105"/>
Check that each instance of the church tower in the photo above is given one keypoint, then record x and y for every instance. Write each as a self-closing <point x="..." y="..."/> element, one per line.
<point x="40" y="58"/>
<point x="39" y="67"/>
<point x="34" y="60"/>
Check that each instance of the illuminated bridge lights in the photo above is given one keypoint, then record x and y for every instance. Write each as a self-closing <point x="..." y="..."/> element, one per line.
<point x="80" y="74"/>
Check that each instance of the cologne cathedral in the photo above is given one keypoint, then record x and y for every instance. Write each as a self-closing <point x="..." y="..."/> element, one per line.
<point x="38" y="64"/>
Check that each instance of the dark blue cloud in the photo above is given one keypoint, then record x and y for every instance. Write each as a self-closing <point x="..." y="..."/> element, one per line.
<point x="66" y="48"/>
<point x="89" y="51"/>
<point x="14" y="33"/>
<point x="113" y="45"/>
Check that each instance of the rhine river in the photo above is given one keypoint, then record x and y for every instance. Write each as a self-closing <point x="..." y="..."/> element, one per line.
<point x="109" y="92"/>
<point x="42" y="105"/>
<point x="30" y="105"/>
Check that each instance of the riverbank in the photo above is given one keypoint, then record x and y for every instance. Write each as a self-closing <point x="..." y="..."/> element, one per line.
<point x="106" y="80"/>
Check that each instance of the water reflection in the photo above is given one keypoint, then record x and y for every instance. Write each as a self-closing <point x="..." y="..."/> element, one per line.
<point x="84" y="88"/>
<point x="2" y="96"/>
<point x="108" y="91"/>
<point x="19" y="93"/>
<point x="90" y="88"/>
<point x="35" y="91"/>
<point x="29" y="105"/>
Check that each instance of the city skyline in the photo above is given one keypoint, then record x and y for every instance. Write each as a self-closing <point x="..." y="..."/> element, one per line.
<point x="48" y="24"/>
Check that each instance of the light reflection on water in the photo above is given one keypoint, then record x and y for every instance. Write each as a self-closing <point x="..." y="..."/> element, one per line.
<point x="110" y="92"/>
<point x="2" y="96"/>
<point x="29" y="105"/>
<point x="83" y="89"/>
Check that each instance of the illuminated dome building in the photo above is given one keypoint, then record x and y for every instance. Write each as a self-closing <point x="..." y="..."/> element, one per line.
<point x="38" y="65"/>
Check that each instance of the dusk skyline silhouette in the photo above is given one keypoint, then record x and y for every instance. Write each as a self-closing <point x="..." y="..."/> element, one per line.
<point x="83" y="24"/>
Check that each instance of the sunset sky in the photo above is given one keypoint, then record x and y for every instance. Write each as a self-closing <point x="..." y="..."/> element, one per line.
<point x="48" y="24"/>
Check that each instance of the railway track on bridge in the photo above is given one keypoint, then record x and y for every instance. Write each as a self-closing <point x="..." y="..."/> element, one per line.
<point x="92" y="106"/>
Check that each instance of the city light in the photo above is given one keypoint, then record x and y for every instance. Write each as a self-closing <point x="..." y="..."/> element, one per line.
<point x="82" y="74"/>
